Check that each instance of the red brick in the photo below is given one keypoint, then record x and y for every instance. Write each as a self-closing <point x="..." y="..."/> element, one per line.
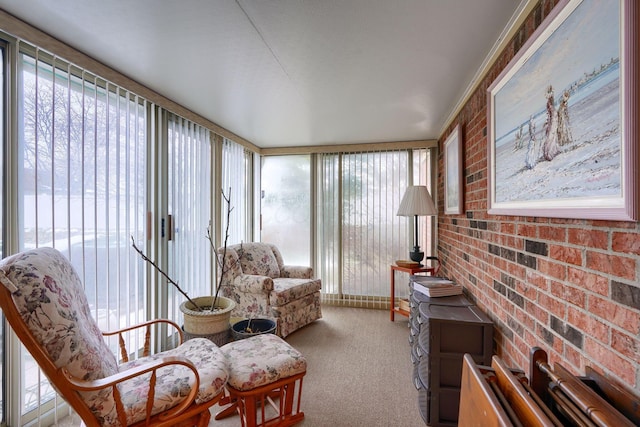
<point x="625" y="344"/>
<point x="589" y="281"/>
<point x="525" y="319"/>
<point x="537" y="280"/>
<point x="626" y="242"/>
<point x="555" y="234"/>
<point x="588" y="238"/>
<point x="620" y="316"/>
<point x="538" y="312"/>
<point x="589" y="325"/>
<point x="574" y="357"/>
<point x="619" y="266"/>
<point x="566" y="254"/>
<point x="620" y="367"/>
<point x="552" y="269"/>
<point x="508" y="228"/>
<point x="575" y="296"/>
<point x="527" y="230"/>
<point x="553" y="305"/>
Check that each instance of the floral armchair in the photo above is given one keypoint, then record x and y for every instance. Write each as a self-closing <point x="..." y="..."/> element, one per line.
<point x="44" y="301"/>
<point x="257" y="279"/>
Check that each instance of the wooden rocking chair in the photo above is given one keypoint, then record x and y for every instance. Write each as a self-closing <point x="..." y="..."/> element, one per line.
<point x="43" y="300"/>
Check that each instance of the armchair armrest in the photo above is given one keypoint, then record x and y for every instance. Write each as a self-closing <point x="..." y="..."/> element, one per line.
<point x="124" y="354"/>
<point x="296" y="272"/>
<point x="252" y="284"/>
<point x="112" y="382"/>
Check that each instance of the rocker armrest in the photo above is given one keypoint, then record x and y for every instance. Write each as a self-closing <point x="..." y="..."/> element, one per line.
<point x="252" y="284"/>
<point x="113" y="380"/>
<point x="124" y="354"/>
<point x="296" y="272"/>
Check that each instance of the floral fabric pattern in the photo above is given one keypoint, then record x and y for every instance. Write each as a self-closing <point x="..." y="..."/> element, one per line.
<point x="257" y="259"/>
<point x="288" y="290"/>
<point x="296" y="272"/>
<point x="258" y="291"/>
<point x="51" y="300"/>
<point x="174" y="382"/>
<point x="261" y="359"/>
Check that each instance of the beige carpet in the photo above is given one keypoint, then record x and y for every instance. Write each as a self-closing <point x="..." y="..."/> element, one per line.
<point x="359" y="371"/>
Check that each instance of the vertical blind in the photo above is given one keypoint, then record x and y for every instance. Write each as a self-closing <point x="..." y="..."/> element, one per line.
<point x="358" y="232"/>
<point x="82" y="191"/>
<point x="189" y="204"/>
<point x="237" y="185"/>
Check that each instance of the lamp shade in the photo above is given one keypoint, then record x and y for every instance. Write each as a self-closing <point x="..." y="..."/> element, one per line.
<point x="417" y="201"/>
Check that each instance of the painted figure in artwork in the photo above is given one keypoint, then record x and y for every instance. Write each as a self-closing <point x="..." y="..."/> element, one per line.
<point x="519" y="140"/>
<point x="550" y="147"/>
<point x="532" y="155"/>
<point x="564" y="127"/>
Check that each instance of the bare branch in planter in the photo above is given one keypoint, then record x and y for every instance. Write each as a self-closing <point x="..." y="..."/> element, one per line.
<point x="169" y="279"/>
<point x="220" y="261"/>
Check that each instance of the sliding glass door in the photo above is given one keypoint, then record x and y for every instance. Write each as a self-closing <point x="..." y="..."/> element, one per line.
<point x="189" y="198"/>
<point x="82" y="190"/>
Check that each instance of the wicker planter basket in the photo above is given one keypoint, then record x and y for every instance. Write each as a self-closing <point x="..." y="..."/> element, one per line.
<point x="207" y="322"/>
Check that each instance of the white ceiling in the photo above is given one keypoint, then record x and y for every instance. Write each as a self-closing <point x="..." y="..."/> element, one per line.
<point x="291" y="72"/>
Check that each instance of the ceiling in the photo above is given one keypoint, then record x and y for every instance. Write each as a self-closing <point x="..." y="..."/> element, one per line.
<point x="282" y="73"/>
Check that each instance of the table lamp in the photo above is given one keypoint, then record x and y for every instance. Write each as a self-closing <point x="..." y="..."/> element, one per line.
<point x="416" y="202"/>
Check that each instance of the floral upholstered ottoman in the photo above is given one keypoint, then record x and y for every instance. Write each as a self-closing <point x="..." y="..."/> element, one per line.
<point x="264" y="369"/>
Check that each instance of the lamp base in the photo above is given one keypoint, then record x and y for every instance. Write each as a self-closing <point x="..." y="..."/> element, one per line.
<point x="416" y="255"/>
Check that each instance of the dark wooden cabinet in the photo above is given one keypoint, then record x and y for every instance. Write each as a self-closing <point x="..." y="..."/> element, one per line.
<point x="442" y="330"/>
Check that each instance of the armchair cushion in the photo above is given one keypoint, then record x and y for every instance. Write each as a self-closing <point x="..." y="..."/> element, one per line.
<point x="258" y="259"/>
<point x="58" y="317"/>
<point x="261" y="359"/>
<point x="296" y="272"/>
<point x="253" y="284"/>
<point x="287" y="290"/>
<point x="174" y="381"/>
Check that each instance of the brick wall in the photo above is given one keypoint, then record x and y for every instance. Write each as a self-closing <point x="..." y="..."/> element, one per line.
<point x="569" y="286"/>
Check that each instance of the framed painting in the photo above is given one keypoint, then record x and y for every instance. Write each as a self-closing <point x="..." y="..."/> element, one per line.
<point x="562" y="117"/>
<point x="453" y="173"/>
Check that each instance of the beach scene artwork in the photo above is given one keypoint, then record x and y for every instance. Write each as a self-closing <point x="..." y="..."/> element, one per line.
<point x="556" y="117"/>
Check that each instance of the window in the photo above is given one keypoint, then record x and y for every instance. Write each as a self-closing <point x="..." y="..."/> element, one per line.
<point x="286" y="206"/>
<point x="82" y="191"/>
<point x="358" y="231"/>
<point x="238" y="185"/>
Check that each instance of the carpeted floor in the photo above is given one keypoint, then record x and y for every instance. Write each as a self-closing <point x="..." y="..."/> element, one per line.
<point x="359" y="371"/>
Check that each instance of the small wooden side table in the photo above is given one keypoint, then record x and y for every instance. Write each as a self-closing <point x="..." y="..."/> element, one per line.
<point x="411" y="270"/>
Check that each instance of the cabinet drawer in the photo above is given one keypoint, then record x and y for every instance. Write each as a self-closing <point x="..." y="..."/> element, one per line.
<point x="443" y="407"/>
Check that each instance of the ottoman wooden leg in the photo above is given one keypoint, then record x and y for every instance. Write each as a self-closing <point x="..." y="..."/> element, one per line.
<point x="252" y="405"/>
